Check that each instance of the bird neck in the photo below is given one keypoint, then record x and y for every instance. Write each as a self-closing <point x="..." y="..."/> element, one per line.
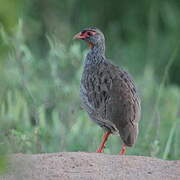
<point x="95" y="55"/>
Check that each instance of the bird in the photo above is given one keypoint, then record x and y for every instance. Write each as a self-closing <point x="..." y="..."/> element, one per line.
<point x="108" y="93"/>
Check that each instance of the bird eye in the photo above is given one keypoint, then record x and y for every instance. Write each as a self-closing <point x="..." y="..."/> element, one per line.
<point x="89" y="33"/>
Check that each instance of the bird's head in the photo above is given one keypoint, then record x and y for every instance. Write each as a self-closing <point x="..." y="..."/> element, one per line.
<point x="92" y="36"/>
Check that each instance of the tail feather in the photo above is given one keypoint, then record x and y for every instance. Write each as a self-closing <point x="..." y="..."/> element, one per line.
<point x="129" y="134"/>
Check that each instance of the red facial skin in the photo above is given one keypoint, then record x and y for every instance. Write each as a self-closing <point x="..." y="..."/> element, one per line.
<point x="84" y="35"/>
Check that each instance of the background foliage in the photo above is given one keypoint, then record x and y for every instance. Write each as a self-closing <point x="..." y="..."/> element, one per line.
<point x="40" y="69"/>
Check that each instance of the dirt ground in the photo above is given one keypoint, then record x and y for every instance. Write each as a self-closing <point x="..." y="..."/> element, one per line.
<point x="89" y="166"/>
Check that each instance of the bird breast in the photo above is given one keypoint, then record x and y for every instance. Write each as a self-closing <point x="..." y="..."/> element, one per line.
<point x="109" y="95"/>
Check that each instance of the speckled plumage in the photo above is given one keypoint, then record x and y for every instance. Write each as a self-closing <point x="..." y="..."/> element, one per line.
<point x="108" y="93"/>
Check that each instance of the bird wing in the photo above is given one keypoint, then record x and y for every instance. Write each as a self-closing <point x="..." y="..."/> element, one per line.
<point x="122" y="107"/>
<point x="110" y="98"/>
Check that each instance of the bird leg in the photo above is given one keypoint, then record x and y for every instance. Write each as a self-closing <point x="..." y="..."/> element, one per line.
<point x="123" y="150"/>
<point x="104" y="139"/>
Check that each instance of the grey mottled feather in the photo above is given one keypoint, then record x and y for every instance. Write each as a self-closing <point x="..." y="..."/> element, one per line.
<point x="109" y="96"/>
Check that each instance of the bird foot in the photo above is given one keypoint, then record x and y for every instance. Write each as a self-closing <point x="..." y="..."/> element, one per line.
<point x="102" y="146"/>
<point x="99" y="151"/>
<point x="123" y="150"/>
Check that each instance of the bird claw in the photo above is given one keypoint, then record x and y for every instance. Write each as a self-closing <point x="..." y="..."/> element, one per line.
<point x="123" y="150"/>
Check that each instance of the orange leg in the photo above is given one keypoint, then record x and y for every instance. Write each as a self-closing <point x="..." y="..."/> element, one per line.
<point x="104" y="139"/>
<point x="123" y="150"/>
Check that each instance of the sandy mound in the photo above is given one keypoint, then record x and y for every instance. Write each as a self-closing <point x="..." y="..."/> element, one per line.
<point x="89" y="166"/>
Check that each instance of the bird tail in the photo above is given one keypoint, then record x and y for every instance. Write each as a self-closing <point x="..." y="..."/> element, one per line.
<point x="129" y="134"/>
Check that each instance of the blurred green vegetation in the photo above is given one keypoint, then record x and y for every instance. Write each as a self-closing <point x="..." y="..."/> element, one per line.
<point x="40" y="69"/>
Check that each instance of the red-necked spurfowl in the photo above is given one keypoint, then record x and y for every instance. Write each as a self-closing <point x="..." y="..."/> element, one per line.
<point x="108" y="92"/>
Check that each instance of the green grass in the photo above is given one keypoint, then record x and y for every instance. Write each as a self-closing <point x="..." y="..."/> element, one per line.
<point x="40" y="109"/>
